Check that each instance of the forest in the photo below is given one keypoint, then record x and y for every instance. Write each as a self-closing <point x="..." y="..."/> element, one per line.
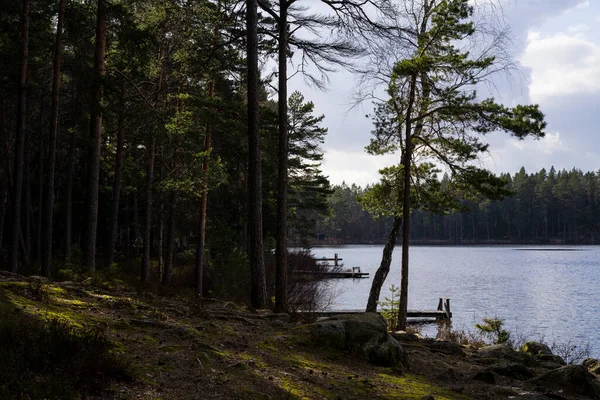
<point x="544" y="207"/>
<point x="117" y="120"/>
<point x="158" y="138"/>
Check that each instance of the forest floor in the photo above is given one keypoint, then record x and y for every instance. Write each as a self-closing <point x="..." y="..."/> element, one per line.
<point x="180" y="349"/>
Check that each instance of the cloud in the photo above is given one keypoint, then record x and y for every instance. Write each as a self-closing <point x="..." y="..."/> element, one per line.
<point x="355" y="166"/>
<point x="561" y="64"/>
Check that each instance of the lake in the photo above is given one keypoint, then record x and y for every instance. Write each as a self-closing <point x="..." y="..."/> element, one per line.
<point x="540" y="291"/>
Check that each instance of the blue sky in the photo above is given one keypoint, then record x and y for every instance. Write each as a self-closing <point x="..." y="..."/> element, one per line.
<point x="557" y="48"/>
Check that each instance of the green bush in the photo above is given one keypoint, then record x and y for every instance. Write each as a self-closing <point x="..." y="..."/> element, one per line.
<point x="53" y="359"/>
<point x="390" y="307"/>
<point x="492" y="328"/>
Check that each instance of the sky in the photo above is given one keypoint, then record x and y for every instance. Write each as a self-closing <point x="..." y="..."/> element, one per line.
<point x="556" y="45"/>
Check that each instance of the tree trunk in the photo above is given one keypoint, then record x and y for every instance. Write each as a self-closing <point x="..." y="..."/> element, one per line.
<point x="3" y="195"/>
<point x="403" y="309"/>
<point x="201" y="245"/>
<point x="166" y="278"/>
<point x="40" y="214"/>
<point x="18" y="160"/>
<point x="136" y="226"/>
<point x="27" y="206"/>
<point x="384" y="267"/>
<point x="281" y="296"/>
<point x="48" y="209"/>
<point x="145" y="268"/>
<point x="258" y="285"/>
<point x="161" y="228"/>
<point x="96" y="137"/>
<point x="116" y="193"/>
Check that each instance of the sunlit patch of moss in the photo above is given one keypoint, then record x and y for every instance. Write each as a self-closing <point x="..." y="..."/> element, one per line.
<point x="72" y="302"/>
<point x="54" y="290"/>
<point x="301" y="390"/>
<point x="13" y="285"/>
<point x="410" y="386"/>
<point x="47" y="311"/>
<point x="303" y="362"/>
<point x="257" y="360"/>
<point x="148" y="339"/>
<point x="171" y="349"/>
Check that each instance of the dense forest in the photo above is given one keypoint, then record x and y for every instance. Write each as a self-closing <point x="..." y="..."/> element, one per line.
<point x="151" y="136"/>
<point x="544" y="207"/>
<point x="118" y="118"/>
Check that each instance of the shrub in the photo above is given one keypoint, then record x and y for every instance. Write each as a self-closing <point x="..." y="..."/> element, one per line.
<point x="390" y="307"/>
<point x="492" y="328"/>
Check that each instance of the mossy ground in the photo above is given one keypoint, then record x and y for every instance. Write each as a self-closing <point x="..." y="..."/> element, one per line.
<point x="181" y="349"/>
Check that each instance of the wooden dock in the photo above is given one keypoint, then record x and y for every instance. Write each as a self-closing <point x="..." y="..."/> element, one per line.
<point x="442" y="313"/>
<point x="354" y="273"/>
<point x="336" y="261"/>
<point x="333" y="271"/>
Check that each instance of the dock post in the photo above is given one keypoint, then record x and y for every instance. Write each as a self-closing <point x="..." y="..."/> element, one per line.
<point x="335" y="260"/>
<point x="447" y="307"/>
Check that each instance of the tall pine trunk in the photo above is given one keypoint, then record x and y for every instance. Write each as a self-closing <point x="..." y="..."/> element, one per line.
<point x="116" y="193"/>
<point x="407" y="158"/>
<point x="201" y="245"/>
<point x="168" y="271"/>
<point x="39" y="220"/>
<point x="145" y="267"/>
<point x="3" y="205"/>
<point x="48" y="209"/>
<point x="258" y="285"/>
<point x="281" y="295"/>
<point x="76" y="112"/>
<point x="13" y="263"/>
<point x="96" y="137"/>
<point x="27" y="202"/>
<point x="384" y="267"/>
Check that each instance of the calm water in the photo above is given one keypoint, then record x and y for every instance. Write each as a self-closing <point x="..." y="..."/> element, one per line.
<point x="549" y="294"/>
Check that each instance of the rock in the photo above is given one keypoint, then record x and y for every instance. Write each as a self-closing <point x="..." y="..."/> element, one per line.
<point x="536" y="349"/>
<point x="39" y="278"/>
<point x="592" y="365"/>
<point x="365" y="334"/>
<point x="496" y="351"/>
<point x="447" y="375"/>
<point x="445" y="347"/>
<point x="551" y="358"/>
<point x="574" y="379"/>
<point x="403" y="336"/>
<point x="505" y="352"/>
<point x="485" y="377"/>
<point x="512" y="370"/>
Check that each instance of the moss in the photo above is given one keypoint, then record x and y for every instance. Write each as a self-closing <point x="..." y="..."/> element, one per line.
<point x="307" y="364"/>
<point x="410" y="386"/>
<point x="170" y="349"/>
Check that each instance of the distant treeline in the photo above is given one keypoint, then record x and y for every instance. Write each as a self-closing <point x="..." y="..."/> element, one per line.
<point x="546" y="207"/>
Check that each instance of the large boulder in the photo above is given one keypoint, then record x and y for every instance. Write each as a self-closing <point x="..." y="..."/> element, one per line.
<point x="574" y="379"/>
<point x="446" y="347"/>
<point x="542" y="353"/>
<point x="536" y="349"/>
<point x="364" y="334"/>
<point x="503" y="352"/>
<point x="592" y="365"/>
<point x="512" y="370"/>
